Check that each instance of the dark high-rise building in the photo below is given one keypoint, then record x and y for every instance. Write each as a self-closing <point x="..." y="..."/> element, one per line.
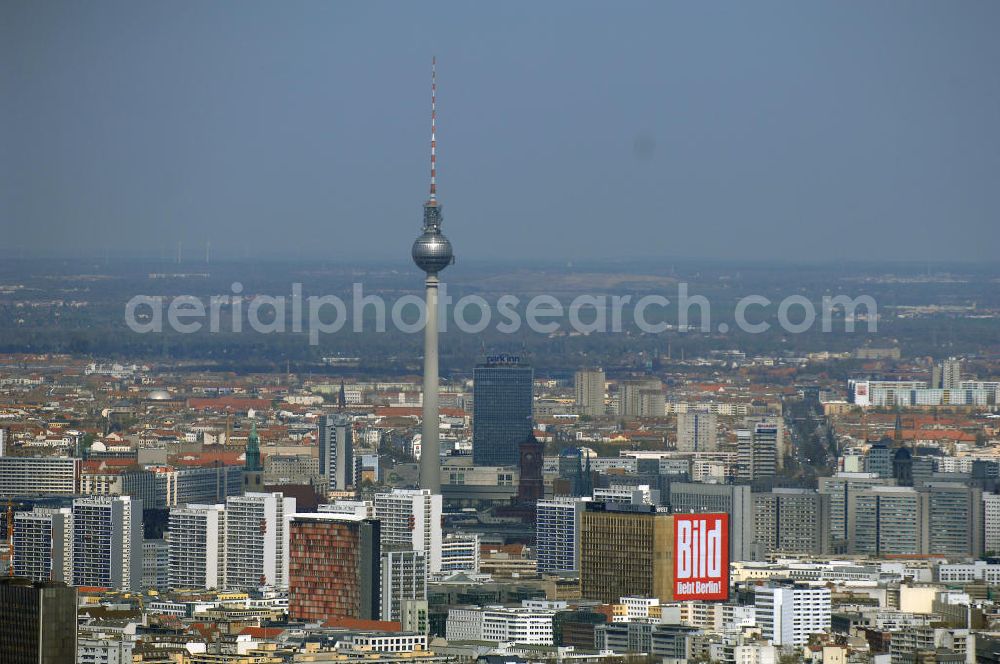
<point x="921" y="470"/>
<point x="575" y="478"/>
<point x="902" y="466"/>
<point x="501" y="410"/>
<point x="334" y="568"/>
<point x="336" y="451"/>
<point x="635" y="550"/>
<point x="37" y="622"/>
<point x="879" y="458"/>
<point x="531" y="486"/>
<point x="253" y="469"/>
<point x="576" y="627"/>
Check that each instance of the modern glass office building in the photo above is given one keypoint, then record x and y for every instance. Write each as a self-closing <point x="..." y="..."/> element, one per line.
<point x="501" y="411"/>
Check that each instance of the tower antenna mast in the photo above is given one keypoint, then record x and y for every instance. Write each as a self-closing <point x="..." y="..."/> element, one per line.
<point x="433" y="193"/>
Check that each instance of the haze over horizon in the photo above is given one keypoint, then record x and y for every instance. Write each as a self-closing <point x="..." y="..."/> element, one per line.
<point x="764" y="131"/>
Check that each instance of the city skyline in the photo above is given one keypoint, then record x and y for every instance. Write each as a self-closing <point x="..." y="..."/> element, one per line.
<point x="788" y="451"/>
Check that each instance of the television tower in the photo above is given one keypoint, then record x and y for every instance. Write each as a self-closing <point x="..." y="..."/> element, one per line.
<point x="432" y="253"/>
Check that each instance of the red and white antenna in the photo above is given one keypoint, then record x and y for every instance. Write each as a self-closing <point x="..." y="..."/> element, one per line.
<point x="434" y="128"/>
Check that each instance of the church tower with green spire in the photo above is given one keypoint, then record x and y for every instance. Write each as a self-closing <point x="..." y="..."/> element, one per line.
<point x="253" y="471"/>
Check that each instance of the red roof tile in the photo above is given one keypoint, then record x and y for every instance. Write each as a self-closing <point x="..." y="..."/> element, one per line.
<point x="357" y="623"/>
<point x="262" y="632"/>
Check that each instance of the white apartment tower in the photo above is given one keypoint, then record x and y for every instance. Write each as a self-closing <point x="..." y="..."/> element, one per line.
<point x="991" y="522"/>
<point x="257" y="540"/>
<point x="641" y="398"/>
<point x="557" y="539"/>
<point x="107" y="542"/>
<point x="788" y="615"/>
<point x="947" y="375"/>
<point x="589" y="386"/>
<point x="697" y="432"/>
<point x="404" y="577"/>
<point x="197" y="548"/>
<point x="411" y="518"/>
<point x="43" y="544"/>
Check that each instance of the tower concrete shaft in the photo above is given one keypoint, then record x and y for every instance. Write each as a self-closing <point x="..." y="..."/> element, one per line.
<point x="430" y="446"/>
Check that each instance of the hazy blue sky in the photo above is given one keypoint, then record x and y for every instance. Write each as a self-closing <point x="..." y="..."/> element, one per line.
<point x="567" y="129"/>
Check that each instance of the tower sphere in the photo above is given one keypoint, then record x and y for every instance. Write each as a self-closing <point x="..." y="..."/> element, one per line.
<point x="432" y="252"/>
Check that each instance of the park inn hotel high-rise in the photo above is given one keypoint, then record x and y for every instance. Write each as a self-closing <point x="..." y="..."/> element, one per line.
<point x="501" y="410"/>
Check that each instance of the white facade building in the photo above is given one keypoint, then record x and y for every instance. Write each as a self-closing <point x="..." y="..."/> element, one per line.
<point x="362" y="508"/>
<point x="196" y="552"/>
<point x="991" y="522"/>
<point x="404" y="577"/>
<point x="788" y="615"/>
<point x="107" y="542"/>
<point x="889" y="393"/>
<point x="557" y="534"/>
<point x="636" y="609"/>
<point x="630" y="495"/>
<point x="501" y="624"/>
<point x="37" y="476"/>
<point x="412" y="518"/>
<point x="257" y="540"/>
<point x="978" y="570"/>
<point x="464" y="625"/>
<point x="697" y="432"/>
<point x="460" y="553"/>
<point x="43" y="544"/>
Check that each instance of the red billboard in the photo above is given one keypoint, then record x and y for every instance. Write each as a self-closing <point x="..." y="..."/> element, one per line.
<point x="701" y="556"/>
